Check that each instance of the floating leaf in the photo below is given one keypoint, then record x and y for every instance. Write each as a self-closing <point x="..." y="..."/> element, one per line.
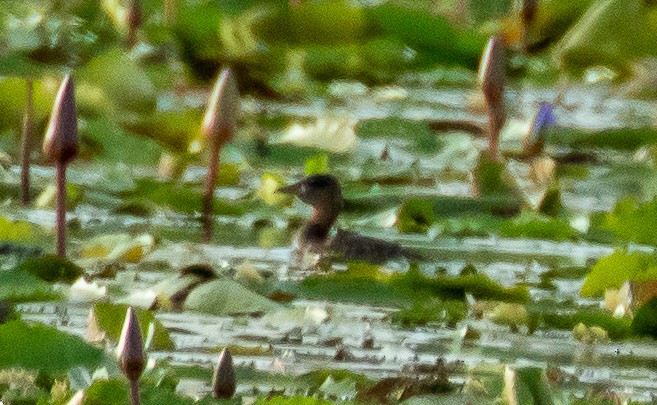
<point x="121" y="79"/>
<point x="19" y="286"/>
<point x="52" y="269"/>
<point x="16" y="231"/>
<point x="107" y="321"/>
<point x="333" y="134"/>
<point x="645" y="319"/>
<point x="268" y="190"/>
<point x="611" y="33"/>
<point x="614" y="270"/>
<point x="317" y="164"/>
<point x="415" y="216"/>
<point x="45" y="348"/>
<point x="534" y="225"/>
<point x="226" y="297"/>
<point x="122" y="246"/>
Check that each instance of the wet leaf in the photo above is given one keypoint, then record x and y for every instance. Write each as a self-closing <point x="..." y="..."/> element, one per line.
<point x="52" y="269"/>
<point x="645" y="319"/>
<point x="46" y="349"/>
<point x="107" y="320"/>
<point x="16" y="231"/>
<point x="121" y="79"/>
<point x="226" y="297"/>
<point x="19" y="286"/>
<point x="614" y="270"/>
<point x="121" y="247"/>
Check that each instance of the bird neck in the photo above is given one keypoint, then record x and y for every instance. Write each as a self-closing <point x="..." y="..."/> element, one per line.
<point x="324" y="216"/>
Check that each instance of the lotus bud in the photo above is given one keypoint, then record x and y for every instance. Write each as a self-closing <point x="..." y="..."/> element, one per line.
<point x="219" y="128"/>
<point x="61" y="141"/>
<point x="223" y="108"/>
<point x="130" y="350"/>
<point x="492" y="71"/>
<point x="223" y="379"/>
<point x="535" y="139"/>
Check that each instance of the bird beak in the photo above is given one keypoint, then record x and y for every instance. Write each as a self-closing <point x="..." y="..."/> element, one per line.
<point x="292" y="189"/>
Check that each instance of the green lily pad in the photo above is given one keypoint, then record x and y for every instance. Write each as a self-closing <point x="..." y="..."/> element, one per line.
<point x="316" y="165"/>
<point x="632" y="221"/>
<point x="612" y="271"/>
<point x="108" y="319"/>
<point x="645" y="319"/>
<point x="39" y="347"/>
<point x="18" y="286"/>
<point x="415" y="216"/>
<point x="52" y="269"/>
<point x="610" y="33"/>
<point x="16" y="231"/>
<point x="531" y="224"/>
<point x="121" y="79"/>
<point x="226" y="297"/>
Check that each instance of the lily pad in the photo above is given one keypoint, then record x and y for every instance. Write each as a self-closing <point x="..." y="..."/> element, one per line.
<point x="52" y="269"/>
<point x="645" y="320"/>
<point x="107" y="321"/>
<point x="39" y="347"/>
<point x="227" y="297"/>
<point x="612" y="271"/>
<point x="122" y="247"/>
<point x="17" y="286"/>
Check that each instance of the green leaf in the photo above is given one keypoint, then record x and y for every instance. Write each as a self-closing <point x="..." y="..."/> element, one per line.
<point x="612" y="271"/>
<point x="327" y="23"/>
<point x="181" y="197"/>
<point x="108" y="319"/>
<point x="645" y="319"/>
<point x="527" y="385"/>
<point x="317" y="164"/>
<point x="631" y="221"/>
<point x="415" y="216"/>
<point x="116" y="145"/>
<point x="611" y="33"/>
<point x="227" y="297"/>
<point x="16" y="231"/>
<point x="531" y="224"/>
<point x="121" y="79"/>
<point x="39" y="347"/>
<point x="18" y="286"/>
<point x="52" y="269"/>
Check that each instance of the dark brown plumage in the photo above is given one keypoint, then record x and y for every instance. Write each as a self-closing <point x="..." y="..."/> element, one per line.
<point x="323" y="193"/>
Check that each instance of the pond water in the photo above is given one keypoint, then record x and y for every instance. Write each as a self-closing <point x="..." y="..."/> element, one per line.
<point x="308" y="337"/>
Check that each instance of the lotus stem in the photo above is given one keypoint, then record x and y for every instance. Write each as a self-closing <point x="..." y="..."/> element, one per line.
<point x="60" y="208"/>
<point x="134" y="392"/>
<point x="218" y="128"/>
<point x="26" y="144"/>
<point x="208" y="197"/>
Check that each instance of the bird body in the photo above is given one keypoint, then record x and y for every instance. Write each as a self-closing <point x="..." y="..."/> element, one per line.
<point x="318" y="238"/>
